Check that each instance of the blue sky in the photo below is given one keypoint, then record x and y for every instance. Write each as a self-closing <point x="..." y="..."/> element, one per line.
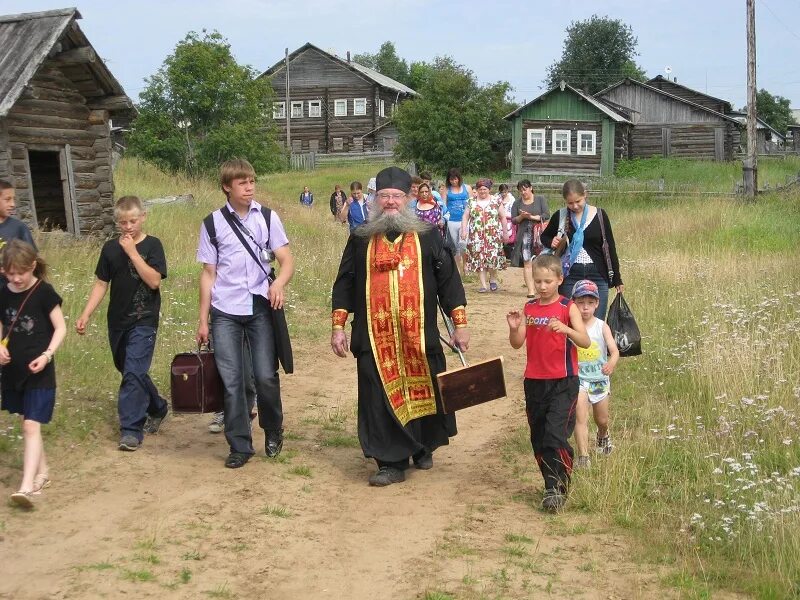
<point x="703" y="41"/>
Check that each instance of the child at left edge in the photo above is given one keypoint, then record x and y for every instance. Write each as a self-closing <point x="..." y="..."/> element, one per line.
<point x="551" y="327"/>
<point x="134" y="264"/>
<point x="33" y="328"/>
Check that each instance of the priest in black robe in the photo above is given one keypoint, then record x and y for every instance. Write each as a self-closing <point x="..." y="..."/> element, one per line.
<point x="394" y="274"/>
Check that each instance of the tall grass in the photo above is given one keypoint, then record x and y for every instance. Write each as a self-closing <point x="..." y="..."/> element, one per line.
<point x="707" y="467"/>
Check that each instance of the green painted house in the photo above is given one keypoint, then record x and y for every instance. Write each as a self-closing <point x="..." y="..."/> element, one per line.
<point x="567" y="132"/>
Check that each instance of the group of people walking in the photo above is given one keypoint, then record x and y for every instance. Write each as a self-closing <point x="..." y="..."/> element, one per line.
<point x="403" y="261"/>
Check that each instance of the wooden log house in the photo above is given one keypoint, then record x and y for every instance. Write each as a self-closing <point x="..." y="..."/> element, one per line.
<point x="335" y="104"/>
<point x="665" y="124"/>
<point x="566" y="132"/>
<point x="57" y="98"/>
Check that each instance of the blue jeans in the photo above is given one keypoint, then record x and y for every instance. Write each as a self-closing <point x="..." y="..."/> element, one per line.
<point x="580" y="271"/>
<point x="229" y="333"/>
<point x="138" y="396"/>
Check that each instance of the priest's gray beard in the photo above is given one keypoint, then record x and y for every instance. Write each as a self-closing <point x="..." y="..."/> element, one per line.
<point x="379" y="222"/>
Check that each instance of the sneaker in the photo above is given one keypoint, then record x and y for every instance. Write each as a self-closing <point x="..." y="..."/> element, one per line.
<point x="217" y="424"/>
<point x="387" y="476"/>
<point x="153" y="424"/>
<point x="582" y="462"/>
<point x="273" y="443"/>
<point x="129" y="443"/>
<point x="553" y="500"/>
<point x="604" y="445"/>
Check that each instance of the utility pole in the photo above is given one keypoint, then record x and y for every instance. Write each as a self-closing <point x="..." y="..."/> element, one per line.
<point x="289" y="108"/>
<point x="750" y="165"/>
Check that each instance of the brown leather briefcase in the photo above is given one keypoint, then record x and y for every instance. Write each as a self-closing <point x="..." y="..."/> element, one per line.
<point x="195" y="384"/>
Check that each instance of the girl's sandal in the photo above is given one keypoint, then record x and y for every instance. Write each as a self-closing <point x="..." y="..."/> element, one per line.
<point x="23" y="499"/>
<point x="40" y="482"/>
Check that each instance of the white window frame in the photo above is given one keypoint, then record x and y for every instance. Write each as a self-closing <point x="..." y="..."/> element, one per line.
<point x="581" y="151"/>
<point x="356" y="102"/>
<point x="314" y="108"/>
<point x="553" y="138"/>
<point x="297" y="104"/>
<point x="541" y="132"/>
<point x="279" y="110"/>
<point x="382" y="106"/>
<point x="337" y="110"/>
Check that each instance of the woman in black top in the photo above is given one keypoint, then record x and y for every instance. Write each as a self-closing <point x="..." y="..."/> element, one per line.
<point x="528" y="213"/>
<point x="585" y="249"/>
<point x="338" y="199"/>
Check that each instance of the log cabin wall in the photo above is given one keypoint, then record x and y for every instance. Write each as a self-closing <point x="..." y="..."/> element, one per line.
<point x="52" y="115"/>
<point x="5" y="155"/>
<point x="315" y="77"/>
<point x="664" y="126"/>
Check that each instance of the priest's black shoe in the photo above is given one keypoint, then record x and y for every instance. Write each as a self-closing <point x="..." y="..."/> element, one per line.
<point x="274" y="443"/>
<point x="387" y="476"/>
<point x="424" y="462"/>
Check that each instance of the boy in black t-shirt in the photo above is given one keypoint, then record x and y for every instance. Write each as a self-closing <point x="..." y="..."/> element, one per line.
<point x="134" y="264"/>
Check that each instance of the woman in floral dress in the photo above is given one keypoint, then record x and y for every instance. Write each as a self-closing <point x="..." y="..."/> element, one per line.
<point x="484" y="229"/>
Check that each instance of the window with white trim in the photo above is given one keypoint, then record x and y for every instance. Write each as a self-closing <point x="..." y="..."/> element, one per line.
<point x="561" y="141"/>
<point x="536" y="141"/>
<point x="587" y="143"/>
<point x="382" y="105"/>
<point x="359" y="106"/>
<point x="314" y="108"/>
<point x="297" y="109"/>
<point x="340" y="108"/>
<point x="279" y="110"/>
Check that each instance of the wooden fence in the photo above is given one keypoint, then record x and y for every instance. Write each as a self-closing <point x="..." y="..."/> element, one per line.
<point x="311" y="160"/>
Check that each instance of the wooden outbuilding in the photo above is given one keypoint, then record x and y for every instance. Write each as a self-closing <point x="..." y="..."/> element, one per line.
<point x="566" y="132"/>
<point x="664" y="124"/>
<point x="335" y="104"/>
<point x="57" y="98"/>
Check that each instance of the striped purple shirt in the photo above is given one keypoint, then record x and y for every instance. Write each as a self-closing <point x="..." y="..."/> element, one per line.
<point x="239" y="278"/>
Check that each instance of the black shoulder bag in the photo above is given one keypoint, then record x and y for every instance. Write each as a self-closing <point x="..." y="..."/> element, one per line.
<point x="280" y="329"/>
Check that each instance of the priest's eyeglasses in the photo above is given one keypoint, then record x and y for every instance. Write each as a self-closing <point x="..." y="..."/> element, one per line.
<point x="395" y="196"/>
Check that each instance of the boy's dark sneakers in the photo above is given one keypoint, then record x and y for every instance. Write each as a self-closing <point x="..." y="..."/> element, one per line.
<point x="387" y="476"/>
<point x="129" y="443"/>
<point x="153" y="424"/>
<point x="274" y="443"/>
<point x="553" y="500"/>
<point x="604" y="445"/>
<point x="236" y="460"/>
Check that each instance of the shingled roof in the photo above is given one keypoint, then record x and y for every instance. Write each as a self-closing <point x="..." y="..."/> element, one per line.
<point x="371" y="74"/>
<point x="29" y="39"/>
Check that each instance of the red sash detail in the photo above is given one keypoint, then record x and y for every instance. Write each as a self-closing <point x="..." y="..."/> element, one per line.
<point x="395" y="304"/>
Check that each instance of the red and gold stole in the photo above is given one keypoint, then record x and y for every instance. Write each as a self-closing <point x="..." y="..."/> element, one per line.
<point x="395" y="301"/>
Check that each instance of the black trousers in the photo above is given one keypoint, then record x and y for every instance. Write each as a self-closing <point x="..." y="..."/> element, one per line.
<point x="550" y="406"/>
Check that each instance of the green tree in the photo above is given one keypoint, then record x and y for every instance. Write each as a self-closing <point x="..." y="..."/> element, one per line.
<point x="202" y="108"/>
<point x="386" y="62"/>
<point x="597" y="53"/>
<point x="775" y="110"/>
<point x="455" y="122"/>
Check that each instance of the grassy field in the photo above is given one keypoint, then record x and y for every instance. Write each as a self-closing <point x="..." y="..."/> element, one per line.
<point x="699" y="175"/>
<point x="706" y="475"/>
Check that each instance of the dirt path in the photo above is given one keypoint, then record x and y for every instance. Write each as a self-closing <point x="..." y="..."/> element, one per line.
<point x="169" y="521"/>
